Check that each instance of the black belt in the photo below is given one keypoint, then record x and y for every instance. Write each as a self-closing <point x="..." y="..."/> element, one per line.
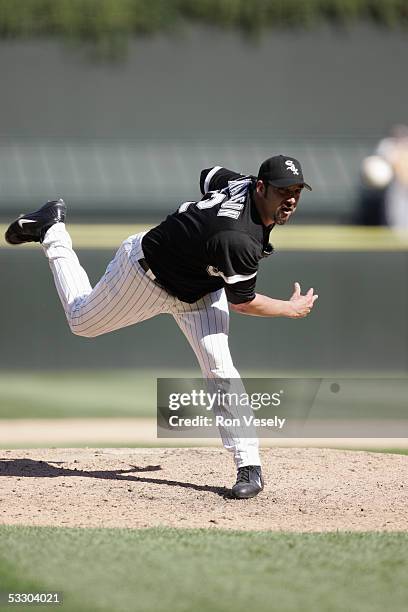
<point x="143" y="264"/>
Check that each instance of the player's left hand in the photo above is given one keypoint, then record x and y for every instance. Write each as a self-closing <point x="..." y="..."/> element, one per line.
<point x="301" y="305"/>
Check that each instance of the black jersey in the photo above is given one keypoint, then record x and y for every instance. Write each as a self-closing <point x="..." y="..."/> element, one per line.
<point x="213" y="243"/>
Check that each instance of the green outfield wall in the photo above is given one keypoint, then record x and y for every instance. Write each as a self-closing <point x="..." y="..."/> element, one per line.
<point x="359" y="323"/>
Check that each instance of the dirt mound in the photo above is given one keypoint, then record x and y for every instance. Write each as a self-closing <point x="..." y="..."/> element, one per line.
<point x="306" y="489"/>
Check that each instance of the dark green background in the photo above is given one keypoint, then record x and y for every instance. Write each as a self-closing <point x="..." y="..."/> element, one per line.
<point x="359" y="323"/>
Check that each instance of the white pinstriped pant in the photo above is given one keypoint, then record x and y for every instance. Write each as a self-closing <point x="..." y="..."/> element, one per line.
<point x="126" y="295"/>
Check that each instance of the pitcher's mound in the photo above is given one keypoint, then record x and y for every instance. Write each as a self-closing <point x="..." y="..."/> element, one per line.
<point x="306" y="489"/>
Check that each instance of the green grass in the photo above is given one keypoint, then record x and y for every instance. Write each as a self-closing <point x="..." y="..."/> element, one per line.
<point x="132" y="393"/>
<point x="168" y="570"/>
<point x="77" y="394"/>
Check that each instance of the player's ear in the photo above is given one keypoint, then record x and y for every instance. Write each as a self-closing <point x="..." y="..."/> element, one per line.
<point x="261" y="188"/>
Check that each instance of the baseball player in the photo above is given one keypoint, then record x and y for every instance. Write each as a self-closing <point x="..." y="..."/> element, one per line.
<point x="199" y="262"/>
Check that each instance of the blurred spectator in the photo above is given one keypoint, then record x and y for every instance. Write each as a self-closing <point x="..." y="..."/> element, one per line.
<point x="384" y="194"/>
<point x="376" y="175"/>
<point x="395" y="151"/>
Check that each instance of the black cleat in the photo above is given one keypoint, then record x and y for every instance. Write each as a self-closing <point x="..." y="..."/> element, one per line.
<point x="249" y="482"/>
<point x="33" y="226"/>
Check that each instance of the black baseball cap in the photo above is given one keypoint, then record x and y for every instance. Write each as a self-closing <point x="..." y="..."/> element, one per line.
<point x="282" y="171"/>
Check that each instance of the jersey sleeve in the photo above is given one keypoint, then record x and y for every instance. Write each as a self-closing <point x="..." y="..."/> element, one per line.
<point x="213" y="179"/>
<point x="233" y="257"/>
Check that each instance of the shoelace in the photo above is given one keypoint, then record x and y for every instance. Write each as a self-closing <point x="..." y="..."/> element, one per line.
<point x="243" y="473"/>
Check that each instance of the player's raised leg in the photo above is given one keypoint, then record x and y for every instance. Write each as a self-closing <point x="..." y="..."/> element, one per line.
<point x="205" y="324"/>
<point x="125" y="294"/>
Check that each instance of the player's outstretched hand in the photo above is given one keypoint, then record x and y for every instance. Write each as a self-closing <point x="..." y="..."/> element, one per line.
<point x="301" y="305"/>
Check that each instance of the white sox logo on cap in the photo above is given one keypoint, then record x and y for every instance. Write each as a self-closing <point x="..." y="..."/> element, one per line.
<point x="291" y="166"/>
<point x="275" y="170"/>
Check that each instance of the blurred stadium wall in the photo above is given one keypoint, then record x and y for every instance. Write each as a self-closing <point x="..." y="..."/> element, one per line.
<point x="128" y="138"/>
<point x="358" y="325"/>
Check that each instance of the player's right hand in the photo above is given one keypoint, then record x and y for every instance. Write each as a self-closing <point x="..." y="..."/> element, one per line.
<point x="301" y="305"/>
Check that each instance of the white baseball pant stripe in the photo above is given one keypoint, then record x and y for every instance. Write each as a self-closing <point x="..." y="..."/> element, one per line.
<point x="126" y="295"/>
